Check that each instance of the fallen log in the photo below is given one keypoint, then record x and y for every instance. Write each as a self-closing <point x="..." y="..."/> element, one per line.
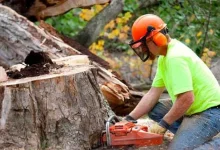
<point x="39" y="9"/>
<point x="65" y="5"/>
<point x="61" y="110"/>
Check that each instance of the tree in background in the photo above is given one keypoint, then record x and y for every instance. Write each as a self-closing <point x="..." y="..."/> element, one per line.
<point x="196" y="23"/>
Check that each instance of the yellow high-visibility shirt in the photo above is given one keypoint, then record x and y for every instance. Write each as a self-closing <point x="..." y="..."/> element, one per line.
<point x="181" y="70"/>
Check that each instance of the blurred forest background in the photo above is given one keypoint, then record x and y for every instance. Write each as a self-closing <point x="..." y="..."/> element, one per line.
<point x="196" y="23"/>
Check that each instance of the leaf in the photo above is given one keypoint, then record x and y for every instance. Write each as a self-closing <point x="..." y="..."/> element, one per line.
<point x="87" y="14"/>
<point x="211" y="31"/>
<point x="98" y="8"/>
<point x="187" y="41"/>
<point x="119" y="20"/>
<point x="199" y="34"/>
<point x="192" y="18"/>
<point x="110" y="25"/>
<point x="205" y="50"/>
<point x="126" y="17"/>
<point x="198" y="41"/>
<point x="101" y="42"/>
<point x="125" y="29"/>
<point x="123" y="36"/>
<point x="115" y="32"/>
<point x="211" y="53"/>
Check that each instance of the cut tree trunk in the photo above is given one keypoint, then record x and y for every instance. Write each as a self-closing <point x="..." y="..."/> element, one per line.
<point x="18" y="37"/>
<point x="62" y="110"/>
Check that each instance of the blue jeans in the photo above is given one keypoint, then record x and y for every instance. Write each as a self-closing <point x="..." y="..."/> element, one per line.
<point x="191" y="132"/>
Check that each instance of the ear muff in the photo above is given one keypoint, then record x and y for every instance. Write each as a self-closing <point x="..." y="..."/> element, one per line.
<point x="160" y="39"/>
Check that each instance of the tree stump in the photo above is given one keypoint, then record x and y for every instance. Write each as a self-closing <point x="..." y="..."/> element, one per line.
<point x="62" y="110"/>
<point x="18" y="37"/>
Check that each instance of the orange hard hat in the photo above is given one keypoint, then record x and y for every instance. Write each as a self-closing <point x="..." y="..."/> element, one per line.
<point x="140" y="26"/>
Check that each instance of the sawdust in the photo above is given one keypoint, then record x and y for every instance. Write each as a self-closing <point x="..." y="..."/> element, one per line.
<point x="37" y="63"/>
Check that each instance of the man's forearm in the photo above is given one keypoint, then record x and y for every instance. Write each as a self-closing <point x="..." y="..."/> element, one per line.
<point x="147" y="103"/>
<point x="143" y="107"/>
<point x="182" y="104"/>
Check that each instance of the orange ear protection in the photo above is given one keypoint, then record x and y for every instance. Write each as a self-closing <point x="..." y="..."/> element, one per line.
<point x="158" y="37"/>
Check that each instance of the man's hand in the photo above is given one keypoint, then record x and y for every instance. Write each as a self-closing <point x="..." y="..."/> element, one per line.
<point x="156" y="128"/>
<point x="129" y="119"/>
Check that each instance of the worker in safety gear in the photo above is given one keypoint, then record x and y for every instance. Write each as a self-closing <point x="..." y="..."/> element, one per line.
<point x="193" y="114"/>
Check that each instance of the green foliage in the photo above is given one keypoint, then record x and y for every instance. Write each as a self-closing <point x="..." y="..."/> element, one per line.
<point x="130" y="6"/>
<point x="69" y="23"/>
<point x="196" y="23"/>
<point x="116" y="46"/>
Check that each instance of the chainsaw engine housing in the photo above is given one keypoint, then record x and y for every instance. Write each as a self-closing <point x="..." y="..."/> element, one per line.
<point x="127" y="133"/>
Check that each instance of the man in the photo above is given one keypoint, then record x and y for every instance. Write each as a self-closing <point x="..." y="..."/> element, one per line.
<point x="194" y="114"/>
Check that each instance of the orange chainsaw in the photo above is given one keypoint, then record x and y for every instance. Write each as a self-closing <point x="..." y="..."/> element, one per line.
<point x="123" y="133"/>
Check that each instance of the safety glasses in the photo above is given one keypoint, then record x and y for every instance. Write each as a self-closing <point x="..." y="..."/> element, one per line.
<point x="140" y="46"/>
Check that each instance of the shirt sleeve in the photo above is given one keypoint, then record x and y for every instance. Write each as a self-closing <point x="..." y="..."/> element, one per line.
<point x="180" y="75"/>
<point x="158" y="80"/>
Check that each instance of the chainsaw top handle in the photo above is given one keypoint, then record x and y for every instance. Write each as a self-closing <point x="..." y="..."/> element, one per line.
<point x="110" y="120"/>
<point x="113" y="118"/>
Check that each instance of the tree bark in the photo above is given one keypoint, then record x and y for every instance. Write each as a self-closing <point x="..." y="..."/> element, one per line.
<point x="63" y="110"/>
<point x="92" y="30"/>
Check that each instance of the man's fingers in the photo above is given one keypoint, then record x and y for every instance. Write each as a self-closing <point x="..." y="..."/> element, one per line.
<point x="156" y="128"/>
